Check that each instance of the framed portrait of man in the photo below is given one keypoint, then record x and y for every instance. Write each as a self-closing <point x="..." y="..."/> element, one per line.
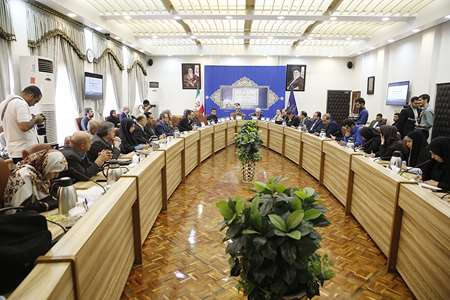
<point x="191" y="76"/>
<point x="295" y="77"/>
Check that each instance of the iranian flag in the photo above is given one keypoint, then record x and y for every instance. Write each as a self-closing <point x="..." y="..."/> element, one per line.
<point x="199" y="102"/>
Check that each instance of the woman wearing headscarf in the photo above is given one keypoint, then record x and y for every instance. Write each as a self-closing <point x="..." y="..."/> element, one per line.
<point x="128" y="142"/>
<point x="416" y="147"/>
<point x="29" y="184"/>
<point x="371" y="140"/>
<point x="437" y="171"/>
<point x="390" y="142"/>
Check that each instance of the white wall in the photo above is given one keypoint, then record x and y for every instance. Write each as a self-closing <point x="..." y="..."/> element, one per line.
<point x="321" y="74"/>
<point x="421" y="59"/>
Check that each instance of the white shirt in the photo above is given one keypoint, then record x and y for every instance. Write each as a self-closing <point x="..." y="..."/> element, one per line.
<point x="16" y="112"/>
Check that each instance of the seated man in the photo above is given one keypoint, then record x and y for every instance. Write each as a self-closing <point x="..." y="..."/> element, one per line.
<point x="113" y="118"/>
<point x="79" y="166"/>
<point x="163" y="127"/>
<point x="351" y="131"/>
<point x="304" y="120"/>
<point x="291" y="119"/>
<point x="332" y="129"/>
<point x="149" y="128"/>
<point x="316" y="123"/>
<point x="237" y="114"/>
<point x="213" y="116"/>
<point x="186" y="122"/>
<point x="88" y="115"/>
<point x="104" y="140"/>
<point x="258" y="114"/>
<point x="139" y="133"/>
<point x="93" y="127"/>
<point x="379" y="121"/>
<point x="395" y="119"/>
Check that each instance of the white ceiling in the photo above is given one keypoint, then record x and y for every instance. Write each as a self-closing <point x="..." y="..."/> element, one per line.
<point x="274" y="27"/>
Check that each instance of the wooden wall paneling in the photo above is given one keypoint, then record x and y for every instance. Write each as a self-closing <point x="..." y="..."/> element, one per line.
<point x="292" y="144"/>
<point x="423" y="258"/>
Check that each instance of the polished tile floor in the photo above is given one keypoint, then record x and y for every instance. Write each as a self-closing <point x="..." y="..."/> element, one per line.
<point x="183" y="257"/>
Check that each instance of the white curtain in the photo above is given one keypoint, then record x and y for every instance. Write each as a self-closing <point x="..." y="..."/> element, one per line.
<point x="6" y="37"/>
<point x="63" y="42"/>
<point x="136" y="74"/>
<point x="108" y="56"/>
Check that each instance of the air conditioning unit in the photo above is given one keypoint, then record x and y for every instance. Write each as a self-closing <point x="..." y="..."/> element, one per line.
<point x="40" y="71"/>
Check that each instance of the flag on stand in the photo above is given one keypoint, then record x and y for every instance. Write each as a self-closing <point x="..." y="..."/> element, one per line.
<point x="198" y="102"/>
<point x="292" y="104"/>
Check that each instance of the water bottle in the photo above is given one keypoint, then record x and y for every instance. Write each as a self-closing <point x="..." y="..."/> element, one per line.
<point x="322" y="134"/>
<point x="395" y="164"/>
<point x="350" y="143"/>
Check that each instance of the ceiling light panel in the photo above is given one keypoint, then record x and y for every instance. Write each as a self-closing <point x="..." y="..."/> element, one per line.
<point x="279" y="28"/>
<point x="325" y="43"/>
<point x="164" y="27"/>
<point x="362" y="29"/>
<point x="124" y="7"/>
<point x="381" y="7"/>
<point x="272" y="42"/>
<point x="208" y="7"/>
<point x="217" y="27"/>
<point x="227" y="41"/>
<point x="291" y="7"/>
<point x="168" y="42"/>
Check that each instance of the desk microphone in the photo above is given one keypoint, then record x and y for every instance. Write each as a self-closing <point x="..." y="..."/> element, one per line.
<point x="89" y="179"/>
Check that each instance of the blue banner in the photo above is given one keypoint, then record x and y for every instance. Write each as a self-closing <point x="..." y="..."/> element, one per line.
<point x="251" y="86"/>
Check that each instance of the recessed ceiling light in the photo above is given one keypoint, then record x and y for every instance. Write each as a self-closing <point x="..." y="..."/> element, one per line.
<point x="349" y="38"/>
<point x="201" y="54"/>
<point x="333" y="18"/>
<point x="229" y="17"/>
<point x="415" y="30"/>
<point x="231" y="37"/>
<point x="330" y="56"/>
<point x="72" y="15"/>
<point x="371" y="48"/>
<point x="117" y="38"/>
<point x="98" y="28"/>
<point x="280" y="17"/>
<point x="385" y="19"/>
<point x="297" y="55"/>
<point x="169" y="54"/>
<point x="360" y="52"/>
<point x="390" y="41"/>
<point x="154" y="36"/>
<point x="270" y="37"/>
<point x="127" y="17"/>
<point x="447" y="17"/>
<point x="309" y="38"/>
<point x="177" y="17"/>
<point x="193" y="37"/>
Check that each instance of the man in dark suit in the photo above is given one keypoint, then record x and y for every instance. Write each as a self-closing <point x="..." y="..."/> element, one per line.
<point x="79" y="166"/>
<point x="332" y="129"/>
<point x="139" y="133"/>
<point x="304" y="120"/>
<point x="291" y="119"/>
<point x="409" y="117"/>
<point x="163" y="127"/>
<point x="379" y="121"/>
<point x="186" y="122"/>
<point x="316" y="123"/>
<point x="213" y="116"/>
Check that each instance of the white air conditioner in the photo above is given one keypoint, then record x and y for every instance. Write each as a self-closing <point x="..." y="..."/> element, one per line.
<point x="40" y="71"/>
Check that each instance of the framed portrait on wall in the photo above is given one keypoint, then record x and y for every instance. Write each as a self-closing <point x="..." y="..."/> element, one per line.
<point x="370" y="85"/>
<point x="191" y="76"/>
<point x="295" y="77"/>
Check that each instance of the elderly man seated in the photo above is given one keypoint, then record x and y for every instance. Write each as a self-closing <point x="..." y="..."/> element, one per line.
<point x="80" y="167"/>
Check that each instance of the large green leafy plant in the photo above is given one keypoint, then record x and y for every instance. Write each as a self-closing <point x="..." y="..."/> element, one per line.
<point x="248" y="142"/>
<point x="272" y="241"/>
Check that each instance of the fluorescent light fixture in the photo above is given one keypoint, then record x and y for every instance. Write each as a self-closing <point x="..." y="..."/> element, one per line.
<point x="177" y="17"/>
<point x="98" y="28"/>
<point x="349" y="38"/>
<point x="127" y="17"/>
<point x="270" y="37"/>
<point x="229" y="17"/>
<point x="193" y="37"/>
<point x="72" y="15"/>
<point x="360" y="52"/>
<point x="131" y="45"/>
<point x="371" y="48"/>
<point x="415" y="30"/>
<point x="280" y="17"/>
<point x="385" y="19"/>
<point x="333" y="18"/>
<point x="169" y="54"/>
<point x="330" y="56"/>
<point x="154" y="36"/>
<point x="231" y="37"/>
<point x="447" y="17"/>
<point x="390" y="41"/>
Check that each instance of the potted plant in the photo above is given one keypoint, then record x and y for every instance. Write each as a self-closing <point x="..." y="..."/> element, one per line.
<point x="272" y="241"/>
<point x="248" y="143"/>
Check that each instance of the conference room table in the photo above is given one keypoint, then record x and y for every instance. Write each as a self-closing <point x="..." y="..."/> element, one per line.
<point x="231" y="132"/>
<point x="407" y="222"/>
<point x="276" y="137"/>
<point x="220" y="131"/>
<point x="263" y="128"/>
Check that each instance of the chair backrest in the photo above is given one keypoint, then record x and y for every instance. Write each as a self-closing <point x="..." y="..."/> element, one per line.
<point x="4" y="175"/>
<point x="34" y="149"/>
<point x="78" y="123"/>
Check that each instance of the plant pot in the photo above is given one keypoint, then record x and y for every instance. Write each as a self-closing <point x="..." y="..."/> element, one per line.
<point x="248" y="171"/>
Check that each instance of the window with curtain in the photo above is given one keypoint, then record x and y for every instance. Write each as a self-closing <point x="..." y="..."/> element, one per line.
<point x="65" y="105"/>
<point x="6" y="38"/>
<point x="110" y="96"/>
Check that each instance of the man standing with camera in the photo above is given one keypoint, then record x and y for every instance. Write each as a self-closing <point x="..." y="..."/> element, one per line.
<point x="18" y="123"/>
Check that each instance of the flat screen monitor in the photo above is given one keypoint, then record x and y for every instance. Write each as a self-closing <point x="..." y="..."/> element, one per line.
<point x="93" y="86"/>
<point x="247" y="97"/>
<point x="397" y="93"/>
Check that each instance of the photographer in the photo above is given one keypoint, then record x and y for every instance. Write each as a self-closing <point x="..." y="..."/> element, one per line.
<point x="18" y="123"/>
<point x="144" y="108"/>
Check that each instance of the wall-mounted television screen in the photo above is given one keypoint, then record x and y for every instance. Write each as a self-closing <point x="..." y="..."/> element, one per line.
<point x="247" y="97"/>
<point x="93" y="86"/>
<point x="397" y="93"/>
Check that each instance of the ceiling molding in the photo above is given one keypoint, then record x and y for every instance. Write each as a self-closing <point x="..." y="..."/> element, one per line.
<point x="248" y="36"/>
<point x="169" y="7"/>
